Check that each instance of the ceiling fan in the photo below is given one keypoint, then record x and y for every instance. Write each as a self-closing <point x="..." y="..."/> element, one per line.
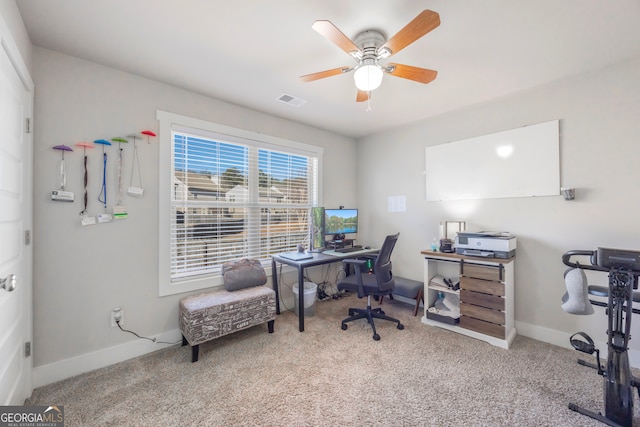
<point x="370" y="46"/>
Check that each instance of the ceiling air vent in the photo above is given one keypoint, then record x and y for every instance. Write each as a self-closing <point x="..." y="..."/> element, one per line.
<point x="291" y="100"/>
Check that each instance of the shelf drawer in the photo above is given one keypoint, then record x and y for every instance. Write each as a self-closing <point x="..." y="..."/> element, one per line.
<point x="483" y="286"/>
<point x="482" y="327"/>
<point x="482" y="313"/>
<point x="486" y="272"/>
<point x="493" y="302"/>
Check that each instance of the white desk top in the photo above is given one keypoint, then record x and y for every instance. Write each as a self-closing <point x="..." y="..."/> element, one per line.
<point x="350" y="254"/>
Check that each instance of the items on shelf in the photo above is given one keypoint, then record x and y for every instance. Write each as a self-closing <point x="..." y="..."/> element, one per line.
<point x="446" y="245"/>
<point x="489" y="244"/>
<point x="443" y="282"/>
<point x="446" y="304"/>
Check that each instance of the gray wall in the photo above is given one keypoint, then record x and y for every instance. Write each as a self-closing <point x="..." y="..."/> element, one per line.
<point x="599" y="151"/>
<point x="81" y="273"/>
<point x="11" y="16"/>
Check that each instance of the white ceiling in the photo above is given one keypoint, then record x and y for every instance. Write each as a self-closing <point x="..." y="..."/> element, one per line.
<point x="250" y="52"/>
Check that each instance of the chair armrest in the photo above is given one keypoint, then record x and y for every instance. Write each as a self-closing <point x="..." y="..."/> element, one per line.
<point x="357" y="263"/>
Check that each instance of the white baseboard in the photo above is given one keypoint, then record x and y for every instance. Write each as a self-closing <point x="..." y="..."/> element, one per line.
<point x="57" y="371"/>
<point x="561" y="339"/>
<point x="63" y="369"/>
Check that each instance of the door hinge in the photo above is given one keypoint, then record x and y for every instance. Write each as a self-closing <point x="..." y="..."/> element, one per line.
<point x="27" y="349"/>
<point x="27" y="237"/>
<point x="27" y="125"/>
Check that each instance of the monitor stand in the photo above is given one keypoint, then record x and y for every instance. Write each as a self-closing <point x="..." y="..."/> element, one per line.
<point x="338" y="244"/>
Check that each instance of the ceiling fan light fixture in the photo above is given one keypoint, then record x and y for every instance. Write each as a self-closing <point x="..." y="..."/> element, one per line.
<point x="384" y="53"/>
<point x="368" y="77"/>
<point x="371" y="46"/>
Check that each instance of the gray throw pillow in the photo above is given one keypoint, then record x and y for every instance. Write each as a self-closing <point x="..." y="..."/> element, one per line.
<point x="243" y="273"/>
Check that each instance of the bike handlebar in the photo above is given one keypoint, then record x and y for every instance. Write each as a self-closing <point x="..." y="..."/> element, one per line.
<point x="628" y="264"/>
<point x="566" y="257"/>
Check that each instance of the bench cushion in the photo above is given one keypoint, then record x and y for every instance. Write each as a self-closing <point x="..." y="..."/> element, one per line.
<point x="406" y="287"/>
<point x="207" y="316"/>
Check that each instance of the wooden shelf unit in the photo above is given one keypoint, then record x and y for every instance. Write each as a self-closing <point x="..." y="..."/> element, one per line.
<point x="486" y="295"/>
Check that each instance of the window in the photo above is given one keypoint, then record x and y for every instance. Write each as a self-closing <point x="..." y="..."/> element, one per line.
<point x="227" y="194"/>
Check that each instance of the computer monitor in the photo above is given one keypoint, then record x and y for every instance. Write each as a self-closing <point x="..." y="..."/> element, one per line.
<point x="316" y="241"/>
<point x="340" y="221"/>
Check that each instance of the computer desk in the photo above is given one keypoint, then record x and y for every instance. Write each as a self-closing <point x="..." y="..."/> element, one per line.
<point x="318" y="258"/>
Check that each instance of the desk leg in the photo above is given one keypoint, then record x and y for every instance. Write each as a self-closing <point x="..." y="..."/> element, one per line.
<point x="274" y="280"/>
<point x="301" y="298"/>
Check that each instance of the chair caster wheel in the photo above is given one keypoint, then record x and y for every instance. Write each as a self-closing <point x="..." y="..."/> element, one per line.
<point x="400" y="326"/>
<point x="350" y="312"/>
<point x="344" y="327"/>
<point x="382" y="312"/>
<point x="376" y="337"/>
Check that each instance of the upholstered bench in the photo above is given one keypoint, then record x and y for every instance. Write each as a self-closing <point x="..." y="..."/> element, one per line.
<point x="242" y="304"/>
<point x="408" y="288"/>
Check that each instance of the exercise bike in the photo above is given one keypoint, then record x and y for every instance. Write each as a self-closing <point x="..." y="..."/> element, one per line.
<point x="623" y="267"/>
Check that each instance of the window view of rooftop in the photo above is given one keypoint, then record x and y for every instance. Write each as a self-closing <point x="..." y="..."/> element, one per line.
<point x="232" y="200"/>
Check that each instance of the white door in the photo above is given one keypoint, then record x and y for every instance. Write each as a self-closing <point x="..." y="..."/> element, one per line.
<point x="16" y="97"/>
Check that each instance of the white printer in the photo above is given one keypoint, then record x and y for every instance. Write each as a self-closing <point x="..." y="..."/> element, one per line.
<point x="490" y="244"/>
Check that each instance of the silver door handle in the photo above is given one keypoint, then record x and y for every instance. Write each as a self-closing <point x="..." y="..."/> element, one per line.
<point x="8" y="283"/>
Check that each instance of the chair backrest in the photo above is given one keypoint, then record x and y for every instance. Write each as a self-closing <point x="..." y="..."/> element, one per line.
<point x="382" y="265"/>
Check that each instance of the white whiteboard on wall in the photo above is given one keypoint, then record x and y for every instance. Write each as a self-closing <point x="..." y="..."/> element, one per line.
<point x="523" y="162"/>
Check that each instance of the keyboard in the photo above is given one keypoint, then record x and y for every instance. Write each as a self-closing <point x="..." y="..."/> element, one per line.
<point x="347" y="250"/>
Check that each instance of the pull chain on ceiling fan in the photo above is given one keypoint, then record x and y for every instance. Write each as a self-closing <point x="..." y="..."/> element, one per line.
<point x="370" y="47"/>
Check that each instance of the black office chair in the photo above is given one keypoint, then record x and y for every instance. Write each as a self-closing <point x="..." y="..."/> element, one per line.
<point x="378" y="283"/>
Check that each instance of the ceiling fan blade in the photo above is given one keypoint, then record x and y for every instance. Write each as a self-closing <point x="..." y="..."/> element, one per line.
<point x="337" y="37"/>
<point x="417" y="74"/>
<point x="323" y="74"/>
<point x="362" y="96"/>
<point x="426" y="21"/>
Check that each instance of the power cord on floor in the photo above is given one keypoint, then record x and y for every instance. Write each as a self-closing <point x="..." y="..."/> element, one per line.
<point x="145" y="338"/>
<point x="327" y="291"/>
<point x="322" y="293"/>
<point x="340" y="294"/>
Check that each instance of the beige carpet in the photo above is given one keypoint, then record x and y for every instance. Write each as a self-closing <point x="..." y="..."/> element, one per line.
<point x="420" y="376"/>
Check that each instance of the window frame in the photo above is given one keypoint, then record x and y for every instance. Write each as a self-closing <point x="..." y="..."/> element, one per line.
<point x="169" y="122"/>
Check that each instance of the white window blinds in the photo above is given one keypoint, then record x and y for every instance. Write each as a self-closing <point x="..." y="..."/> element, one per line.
<point x="233" y="198"/>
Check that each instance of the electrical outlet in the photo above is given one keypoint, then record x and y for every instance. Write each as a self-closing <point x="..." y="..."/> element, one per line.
<point x="117" y="315"/>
